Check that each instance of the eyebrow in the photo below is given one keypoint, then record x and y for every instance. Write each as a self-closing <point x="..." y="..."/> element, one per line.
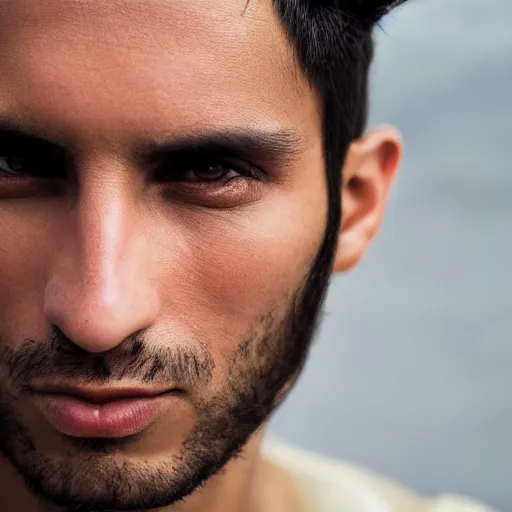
<point x="281" y="145"/>
<point x="277" y="144"/>
<point x="15" y="132"/>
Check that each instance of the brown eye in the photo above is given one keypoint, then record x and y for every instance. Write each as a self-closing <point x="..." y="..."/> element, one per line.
<point x="215" y="172"/>
<point x="205" y="171"/>
<point x="14" y="165"/>
<point x="37" y="166"/>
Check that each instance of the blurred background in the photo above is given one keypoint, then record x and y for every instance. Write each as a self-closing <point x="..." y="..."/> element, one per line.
<point x="411" y="375"/>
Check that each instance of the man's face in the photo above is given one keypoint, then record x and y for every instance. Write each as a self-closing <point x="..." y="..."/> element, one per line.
<point x="157" y="229"/>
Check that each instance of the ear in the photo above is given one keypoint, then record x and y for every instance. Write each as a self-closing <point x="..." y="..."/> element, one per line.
<point x="370" y="168"/>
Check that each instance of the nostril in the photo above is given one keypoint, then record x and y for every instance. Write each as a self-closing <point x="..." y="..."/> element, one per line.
<point x="65" y="346"/>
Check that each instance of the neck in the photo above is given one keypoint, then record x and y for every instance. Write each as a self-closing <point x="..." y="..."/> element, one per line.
<point x="244" y="485"/>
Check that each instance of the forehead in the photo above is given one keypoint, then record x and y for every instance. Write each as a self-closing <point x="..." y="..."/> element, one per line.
<point x="103" y="68"/>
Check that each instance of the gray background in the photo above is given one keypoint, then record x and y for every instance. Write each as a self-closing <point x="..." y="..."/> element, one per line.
<point x="410" y="374"/>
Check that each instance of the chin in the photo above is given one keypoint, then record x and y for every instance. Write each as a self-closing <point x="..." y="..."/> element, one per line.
<point x="154" y="468"/>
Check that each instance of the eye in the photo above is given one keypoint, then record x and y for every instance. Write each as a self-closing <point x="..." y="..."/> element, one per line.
<point x="213" y="172"/>
<point x="14" y="164"/>
<point x="205" y="172"/>
<point x="18" y="164"/>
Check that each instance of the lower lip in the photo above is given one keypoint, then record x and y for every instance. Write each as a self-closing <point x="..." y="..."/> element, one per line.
<point x="115" y="419"/>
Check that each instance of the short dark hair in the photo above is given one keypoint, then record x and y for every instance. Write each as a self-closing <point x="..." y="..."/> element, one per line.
<point x="334" y="45"/>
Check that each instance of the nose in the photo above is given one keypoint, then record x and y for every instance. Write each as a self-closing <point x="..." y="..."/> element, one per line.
<point x="100" y="290"/>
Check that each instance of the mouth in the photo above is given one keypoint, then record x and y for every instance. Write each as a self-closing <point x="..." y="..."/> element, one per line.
<point x="114" y="412"/>
<point x="100" y="395"/>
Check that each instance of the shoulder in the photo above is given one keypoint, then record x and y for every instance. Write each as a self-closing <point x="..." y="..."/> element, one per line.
<point x="326" y="485"/>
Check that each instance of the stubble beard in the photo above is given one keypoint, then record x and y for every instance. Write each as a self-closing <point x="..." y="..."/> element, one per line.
<point x="267" y="361"/>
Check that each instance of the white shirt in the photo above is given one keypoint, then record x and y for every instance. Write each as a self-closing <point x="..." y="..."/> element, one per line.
<point x="328" y="485"/>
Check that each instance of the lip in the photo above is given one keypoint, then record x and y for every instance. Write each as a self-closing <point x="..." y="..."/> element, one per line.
<point x="99" y="395"/>
<point x="105" y="413"/>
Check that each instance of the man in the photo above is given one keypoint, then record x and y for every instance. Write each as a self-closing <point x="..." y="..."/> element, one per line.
<point x="178" y="180"/>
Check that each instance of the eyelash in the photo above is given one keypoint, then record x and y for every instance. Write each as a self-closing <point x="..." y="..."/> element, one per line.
<point x="224" y="167"/>
<point x="39" y="166"/>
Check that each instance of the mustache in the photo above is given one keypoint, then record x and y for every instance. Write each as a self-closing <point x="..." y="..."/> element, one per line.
<point x="135" y="359"/>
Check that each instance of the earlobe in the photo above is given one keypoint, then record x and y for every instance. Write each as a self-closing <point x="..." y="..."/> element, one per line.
<point x="368" y="173"/>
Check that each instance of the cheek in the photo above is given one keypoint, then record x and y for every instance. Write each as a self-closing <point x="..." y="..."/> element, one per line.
<point x="244" y="264"/>
<point x="24" y="257"/>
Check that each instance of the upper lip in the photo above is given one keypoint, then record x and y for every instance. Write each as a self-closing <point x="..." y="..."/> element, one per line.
<point x="98" y="394"/>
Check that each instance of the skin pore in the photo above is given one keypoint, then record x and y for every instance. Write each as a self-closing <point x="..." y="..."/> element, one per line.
<point x="163" y="210"/>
